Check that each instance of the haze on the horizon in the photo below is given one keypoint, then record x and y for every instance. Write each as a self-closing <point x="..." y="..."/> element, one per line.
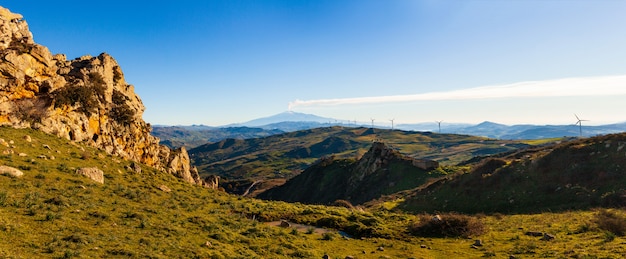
<point x="229" y="61"/>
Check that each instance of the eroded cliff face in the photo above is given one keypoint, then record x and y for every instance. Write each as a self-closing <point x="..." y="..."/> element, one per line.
<point x="84" y="100"/>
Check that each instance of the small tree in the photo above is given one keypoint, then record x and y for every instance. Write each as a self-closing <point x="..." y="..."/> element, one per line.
<point x="121" y="112"/>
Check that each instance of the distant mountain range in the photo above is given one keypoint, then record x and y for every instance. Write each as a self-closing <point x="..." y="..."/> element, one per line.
<point x="196" y="135"/>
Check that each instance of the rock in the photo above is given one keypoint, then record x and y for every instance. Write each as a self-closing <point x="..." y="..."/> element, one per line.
<point x="284" y="224"/>
<point x="46" y="147"/>
<point x="548" y="237"/>
<point x="22" y="154"/>
<point x="212" y="181"/>
<point x="478" y="242"/>
<point x="208" y="244"/>
<point x="325" y="256"/>
<point x="164" y="188"/>
<point x="30" y="77"/>
<point x="134" y="167"/>
<point x="28" y="139"/>
<point x="380" y="248"/>
<point x="92" y="173"/>
<point x="42" y="157"/>
<point x="349" y="257"/>
<point x="423" y="246"/>
<point x="179" y="166"/>
<point x="10" y="171"/>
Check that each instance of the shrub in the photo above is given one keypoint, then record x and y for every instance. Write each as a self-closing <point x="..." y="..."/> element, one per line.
<point x="121" y="112"/>
<point x="328" y="236"/>
<point x="31" y="110"/>
<point x="614" y="199"/>
<point x="97" y="84"/>
<point x="611" y="221"/>
<point x="3" y="198"/>
<point x="448" y="225"/>
<point x="76" y="95"/>
<point x="343" y="203"/>
<point x="87" y="97"/>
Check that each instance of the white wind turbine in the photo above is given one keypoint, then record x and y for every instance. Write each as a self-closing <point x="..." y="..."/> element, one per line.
<point x="439" y="123"/>
<point x="580" y="124"/>
<point x="392" y="123"/>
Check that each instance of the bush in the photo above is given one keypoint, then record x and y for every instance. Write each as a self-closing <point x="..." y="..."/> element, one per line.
<point x="343" y="203"/>
<point x="448" y="225"/>
<point x="611" y="221"/>
<point x="614" y="199"/>
<point x="76" y="95"/>
<point x="121" y="112"/>
<point x="87" y="97"/>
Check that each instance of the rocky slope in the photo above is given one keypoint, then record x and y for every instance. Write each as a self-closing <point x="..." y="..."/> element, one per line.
<point x="84" y="100"/>
<point x="380" y="171"/>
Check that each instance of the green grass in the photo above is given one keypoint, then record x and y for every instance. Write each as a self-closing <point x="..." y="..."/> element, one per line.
<point x="51" y="212"/>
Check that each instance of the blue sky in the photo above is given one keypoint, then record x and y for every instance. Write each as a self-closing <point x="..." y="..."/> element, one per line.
<point x="221" y="62"/>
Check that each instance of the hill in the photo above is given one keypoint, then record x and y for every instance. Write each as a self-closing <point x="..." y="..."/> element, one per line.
<point x="197" y="135"/>
<point x="51" y="211"/>
<point x="194" y="136"/>
<point x="573" y="175"/>
<point x="380" y="171"/>
<point x="286" y="155"/>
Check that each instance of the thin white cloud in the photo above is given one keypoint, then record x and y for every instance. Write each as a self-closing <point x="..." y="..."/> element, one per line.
<point x="586" y="86"/>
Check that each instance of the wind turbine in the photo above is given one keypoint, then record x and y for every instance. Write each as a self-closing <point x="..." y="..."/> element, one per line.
<point x="372" y="122"/>
<point x="392" y="123"/>
<point x="439" y="123"/>
<point x="580" y="124"/>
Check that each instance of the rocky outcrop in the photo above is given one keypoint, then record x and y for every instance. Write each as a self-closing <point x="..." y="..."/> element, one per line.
<point x="84" y="100"/>
<point x="380" y="171"/>
<point x="92" y="173"/>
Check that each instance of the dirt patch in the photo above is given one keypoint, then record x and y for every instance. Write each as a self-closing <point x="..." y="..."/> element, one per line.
<point x="301" y="227"/>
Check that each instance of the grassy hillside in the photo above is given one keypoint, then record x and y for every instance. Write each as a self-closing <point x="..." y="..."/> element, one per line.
<point x="194" y="136"/>
<point x="380" y="171"/>
<point x="286" y="155"/>
<point x="573" y="175"/>
<point x="51" y="212"/>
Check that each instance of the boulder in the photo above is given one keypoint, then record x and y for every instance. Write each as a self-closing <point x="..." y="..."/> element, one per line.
<point x="92" y="173"/>
<point x="212" y="181"/>
<point x="164" y="188"/>
<point x="548" y="237"/>
<point x="10" y="171"/>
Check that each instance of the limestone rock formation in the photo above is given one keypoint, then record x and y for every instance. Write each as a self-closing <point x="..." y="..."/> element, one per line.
<point x="92" y="173"/>
<point x="84" y="100"/>
<point x="10" y="171"/>
<point x="380" y="171"/>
